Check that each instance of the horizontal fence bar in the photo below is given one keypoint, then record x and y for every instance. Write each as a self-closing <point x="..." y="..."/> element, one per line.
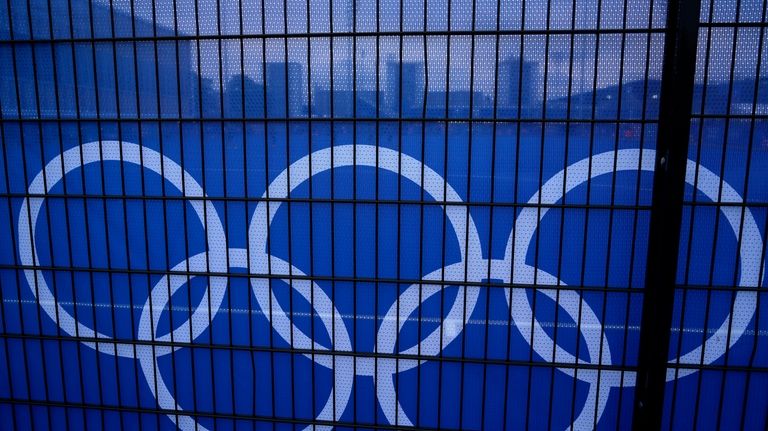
<point x="335" y="35"/>
<point x="482" y="119"/>
<point x="374" y="280"/>
<point x="329" y="278"/>
<point x="331" y="352"/>
<point x="327" y="201"/>
<point x="360" y="119"/>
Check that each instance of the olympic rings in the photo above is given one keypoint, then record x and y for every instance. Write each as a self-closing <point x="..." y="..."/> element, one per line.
<point x="628" y="160"/>
<point x="165" y="288"/>
<point x="472" y="267"/>
<point x="93" y="152"/>
<point x="389" y="160"/>
<point x="551" y="192"/>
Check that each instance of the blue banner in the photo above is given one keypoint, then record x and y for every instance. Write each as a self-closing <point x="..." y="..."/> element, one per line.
<point x="306" y="232"/>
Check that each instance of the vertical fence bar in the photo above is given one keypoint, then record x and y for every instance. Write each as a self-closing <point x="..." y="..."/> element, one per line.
<point x="667" y="208"/>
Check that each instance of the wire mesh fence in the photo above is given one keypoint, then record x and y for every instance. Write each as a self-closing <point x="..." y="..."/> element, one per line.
<point x="429" y="214"/>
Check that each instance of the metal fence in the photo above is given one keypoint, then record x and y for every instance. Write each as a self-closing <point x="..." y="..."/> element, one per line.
<point x="383" y="214"/>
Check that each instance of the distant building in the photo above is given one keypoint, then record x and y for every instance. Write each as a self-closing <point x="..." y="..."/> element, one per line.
<point x="568" y="71"/>
<point x="411" y="98"/>
<point x="244" y="97"/>
<point x="509" y="91"/>
<point x="277" y="85"/>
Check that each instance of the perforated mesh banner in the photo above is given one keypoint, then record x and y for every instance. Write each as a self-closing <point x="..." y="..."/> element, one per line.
<point x="389" y="214"/>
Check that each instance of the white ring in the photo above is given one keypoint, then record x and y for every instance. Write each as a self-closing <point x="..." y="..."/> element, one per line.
<point x="280" y="320"/>
<point x="430" y="346"/>
<point x="365" y="156"/>
<point x="708" y="184"/>
<point x="612" y="162"/>
<point x="160" y="298"/>
<point x="93" y="152"/>
<point x="389" y="160"/>
<point x="378" y="158"/>
<point x="750" y="251"/>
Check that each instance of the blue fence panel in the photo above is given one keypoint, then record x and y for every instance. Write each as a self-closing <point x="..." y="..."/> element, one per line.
<point x="427" y="214"/>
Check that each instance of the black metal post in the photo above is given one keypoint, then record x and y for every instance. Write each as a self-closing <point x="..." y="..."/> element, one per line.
<point x="667" y="208"/>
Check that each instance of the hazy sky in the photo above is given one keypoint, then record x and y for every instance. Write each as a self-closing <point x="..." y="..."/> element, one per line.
<point x="514" y="15"/>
